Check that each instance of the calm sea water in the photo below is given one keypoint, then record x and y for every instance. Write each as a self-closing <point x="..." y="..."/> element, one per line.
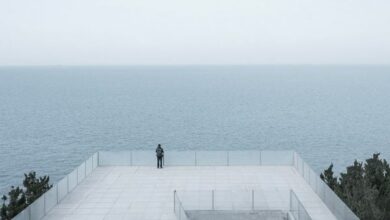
<point x="52" y="118"/>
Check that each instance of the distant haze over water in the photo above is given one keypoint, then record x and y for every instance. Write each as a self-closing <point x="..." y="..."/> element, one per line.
<point x="52" y="118"/>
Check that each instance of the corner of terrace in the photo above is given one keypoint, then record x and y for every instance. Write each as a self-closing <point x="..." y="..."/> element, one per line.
<point x="199" y="185"/>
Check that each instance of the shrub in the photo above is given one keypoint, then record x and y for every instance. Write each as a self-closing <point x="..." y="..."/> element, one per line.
<point x="19" y="198"/>
<point x="364" y="187"/>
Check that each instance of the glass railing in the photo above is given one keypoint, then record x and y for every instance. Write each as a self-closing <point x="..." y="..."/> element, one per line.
<point x="297" y="210"/>
<point x="40" y="207"/>
<point x="198" y="158"/>
<point x="282" y="203"/>
<point x="188" y="158"/>
<point x="178" y="208"/>
<point x="331" y="200"/>
<point x="234" y="158"/>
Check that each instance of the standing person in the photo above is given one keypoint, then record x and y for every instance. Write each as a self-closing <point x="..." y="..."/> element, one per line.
<point x="160" y="155"/>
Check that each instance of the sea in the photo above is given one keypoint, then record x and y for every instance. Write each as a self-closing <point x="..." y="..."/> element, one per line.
<point x="54" y="117"/>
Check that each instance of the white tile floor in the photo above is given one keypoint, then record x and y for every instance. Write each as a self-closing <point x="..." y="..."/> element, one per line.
<point x="146" y="193"/>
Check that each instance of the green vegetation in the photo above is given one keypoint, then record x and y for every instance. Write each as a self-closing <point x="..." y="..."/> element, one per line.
<point x="364" y="187"/>
<point x="19" y="198"/>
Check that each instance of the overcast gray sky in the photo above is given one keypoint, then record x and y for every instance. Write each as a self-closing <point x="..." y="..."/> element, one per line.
<point x="141" y="32"/>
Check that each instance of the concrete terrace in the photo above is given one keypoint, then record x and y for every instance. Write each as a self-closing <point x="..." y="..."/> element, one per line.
<point x="127" y="185"/>
<point x="142" y="192"/>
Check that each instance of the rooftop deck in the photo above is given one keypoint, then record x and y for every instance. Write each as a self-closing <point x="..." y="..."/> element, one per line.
<point x="126" y="185"/>
<point x="147" y="193"/>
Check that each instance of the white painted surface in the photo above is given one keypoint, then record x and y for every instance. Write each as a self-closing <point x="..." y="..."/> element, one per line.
<point x="146" y="193"/>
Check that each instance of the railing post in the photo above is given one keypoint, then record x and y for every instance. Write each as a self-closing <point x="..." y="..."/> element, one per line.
<point x="227" y="158"/>
<point x="67" y="183"/>
<point x="212" y="200"/>
<point x="44" y="204"/>
<point x="174" y="201"/>
<point x="260" y="158"/>
<point x="299" y="211"/>
<point x="253" y="199"/>
<point x="293" y="163"/>
<point x="291" y="201"/>
<point x="58" y="198"/>
<point x="29" y="212"/>
<point x="179" y="214"/>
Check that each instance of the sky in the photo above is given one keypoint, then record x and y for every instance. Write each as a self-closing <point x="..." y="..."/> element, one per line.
<point x="190" y="32"/>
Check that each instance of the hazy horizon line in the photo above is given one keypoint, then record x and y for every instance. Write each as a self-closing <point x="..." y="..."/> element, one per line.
<point x="183" y="65"/>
